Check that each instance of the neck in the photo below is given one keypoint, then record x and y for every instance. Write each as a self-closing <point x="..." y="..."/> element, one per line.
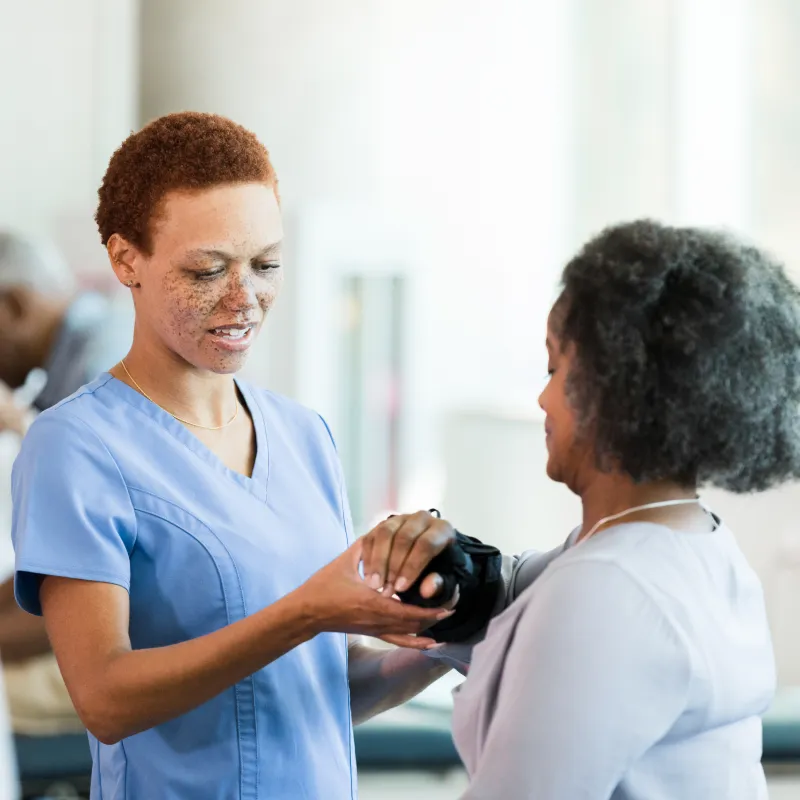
<point x="200" y="396"/>
<point x="609" y="494"/>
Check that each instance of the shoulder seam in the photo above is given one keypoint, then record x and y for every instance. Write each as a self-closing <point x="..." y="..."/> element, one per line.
<point x="84" y="390"/>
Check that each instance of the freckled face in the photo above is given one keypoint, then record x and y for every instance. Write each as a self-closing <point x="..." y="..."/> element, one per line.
<point x="214" y="273"/>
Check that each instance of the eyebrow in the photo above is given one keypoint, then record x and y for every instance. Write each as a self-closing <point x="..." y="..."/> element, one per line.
<point x="202" y="252"/>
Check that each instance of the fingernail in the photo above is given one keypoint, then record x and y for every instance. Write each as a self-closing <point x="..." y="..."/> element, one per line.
<point x="375" y="581"/>
<point x="401" y="585"/>
<point x="444" y="614"/>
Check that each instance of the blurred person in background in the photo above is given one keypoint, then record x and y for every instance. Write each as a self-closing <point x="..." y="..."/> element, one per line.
<point x="46" y="326"/>
<point x="185" y="535"/>
<point x="9" y="789"/>
<point x="639" y="662"/>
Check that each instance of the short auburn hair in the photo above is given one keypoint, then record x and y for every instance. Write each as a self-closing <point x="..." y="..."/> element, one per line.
<point x="187" y="151"/>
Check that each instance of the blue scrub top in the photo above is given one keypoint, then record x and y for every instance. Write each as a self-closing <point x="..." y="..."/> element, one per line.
<point x="109" y="487"/>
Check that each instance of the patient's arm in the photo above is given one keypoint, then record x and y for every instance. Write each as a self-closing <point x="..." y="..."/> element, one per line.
<point x="518" y="573"/>
<point x="22" y="636"/>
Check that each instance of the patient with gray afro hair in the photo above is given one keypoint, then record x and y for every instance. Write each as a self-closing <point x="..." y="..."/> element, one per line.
<point x="687" y="348"/>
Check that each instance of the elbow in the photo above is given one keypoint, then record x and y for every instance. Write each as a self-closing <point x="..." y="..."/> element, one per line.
<point x="360" y="716"/>
<point x="107" y="705"/>
<point x="104" y="730"/>
<point x="99" y="718"/>
<point x="106" y="736"/>
<point x="102" y="727"/>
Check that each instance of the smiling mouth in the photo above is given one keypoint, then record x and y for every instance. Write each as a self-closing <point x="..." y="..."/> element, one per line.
<point x="232" y="332"/>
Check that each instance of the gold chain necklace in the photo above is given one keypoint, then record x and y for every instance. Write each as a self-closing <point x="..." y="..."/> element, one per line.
<point x="180" y="419"/>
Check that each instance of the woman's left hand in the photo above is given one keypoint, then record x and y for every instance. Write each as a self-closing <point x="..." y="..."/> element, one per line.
<point x="398" y="549"/>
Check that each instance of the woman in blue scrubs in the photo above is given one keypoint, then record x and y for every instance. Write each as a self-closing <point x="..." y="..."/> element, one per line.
<point x="187" y="536"/>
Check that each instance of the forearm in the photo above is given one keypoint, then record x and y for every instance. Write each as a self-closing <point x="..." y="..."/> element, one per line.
<point x="22" y="636"/>
<point x="138" y="689"/>
<point x="382" y="679"/>
<point x="7" y="594"/>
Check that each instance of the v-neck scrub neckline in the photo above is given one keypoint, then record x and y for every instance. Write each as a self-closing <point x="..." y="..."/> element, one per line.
<point x="256" y="483"/>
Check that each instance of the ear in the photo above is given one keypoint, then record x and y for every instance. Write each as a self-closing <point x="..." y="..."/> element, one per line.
<point x="126" y="260"/>
<point x="17" y="301"/>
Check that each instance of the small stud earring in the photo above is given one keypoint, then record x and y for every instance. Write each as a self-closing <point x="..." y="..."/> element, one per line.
<point x="129" y="284"/>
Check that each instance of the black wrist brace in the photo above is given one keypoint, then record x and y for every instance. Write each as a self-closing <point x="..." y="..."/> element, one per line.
<point x="475" y="568"/>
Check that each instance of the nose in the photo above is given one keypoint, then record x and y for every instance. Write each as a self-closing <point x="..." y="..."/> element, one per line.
<point x="541" y="399"/>
<point x="240" y="294"/>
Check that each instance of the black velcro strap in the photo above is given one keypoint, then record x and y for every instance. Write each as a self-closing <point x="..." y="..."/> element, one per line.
<point x="475" y="568"/>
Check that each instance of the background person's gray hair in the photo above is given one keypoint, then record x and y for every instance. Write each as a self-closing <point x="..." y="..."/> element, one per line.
<point x="37" y="263"/>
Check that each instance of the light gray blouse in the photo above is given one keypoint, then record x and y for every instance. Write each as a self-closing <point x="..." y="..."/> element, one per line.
<point x="632" y="666"/>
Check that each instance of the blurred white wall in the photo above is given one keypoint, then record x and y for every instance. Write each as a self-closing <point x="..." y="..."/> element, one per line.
<point x="774" y="161"/>
<point x="69" y="75"/>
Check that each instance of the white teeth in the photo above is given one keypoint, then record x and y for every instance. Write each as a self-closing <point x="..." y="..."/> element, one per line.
<point x="231" y="333"/>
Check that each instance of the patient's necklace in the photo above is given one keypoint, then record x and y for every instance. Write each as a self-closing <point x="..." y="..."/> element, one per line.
<point x="661" y="504"/>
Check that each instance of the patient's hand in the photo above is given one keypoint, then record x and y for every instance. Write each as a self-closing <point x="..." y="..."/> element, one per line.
<point x="397" y="550"/>
<point x="13" y="416"/>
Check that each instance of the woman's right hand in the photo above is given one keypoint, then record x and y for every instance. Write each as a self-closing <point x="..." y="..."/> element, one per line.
<point x="338" y="599"/>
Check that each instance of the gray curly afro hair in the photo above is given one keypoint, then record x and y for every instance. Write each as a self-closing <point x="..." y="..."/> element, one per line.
<point x="686" y="359"/>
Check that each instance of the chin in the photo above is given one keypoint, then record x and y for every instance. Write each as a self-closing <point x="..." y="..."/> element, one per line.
<point x="219" y="362"/>
<point x="552" y="468"/>
<point x="228" y="365"/>
<point x="553" y="472"/>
